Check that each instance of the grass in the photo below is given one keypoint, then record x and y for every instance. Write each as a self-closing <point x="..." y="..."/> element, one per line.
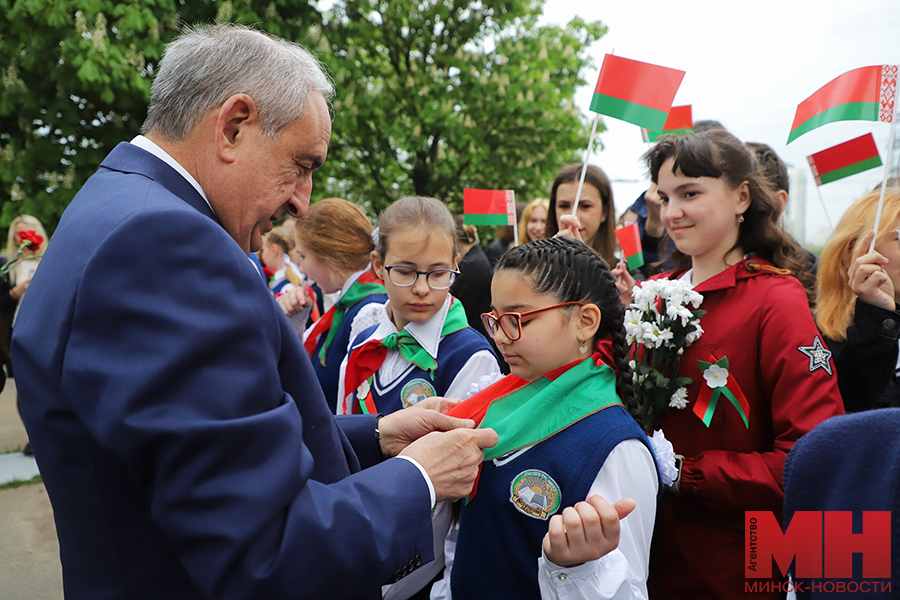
<point x="19" y="483"/>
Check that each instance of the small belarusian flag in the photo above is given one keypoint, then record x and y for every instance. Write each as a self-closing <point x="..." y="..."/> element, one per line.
<point x="630" y="240"/>
<point x="634" y="91"/>
<point x="864" y="94"/>
<point x="852" y="157"/>
<point x="679" y="121"/>
<point x="489" y="207"/>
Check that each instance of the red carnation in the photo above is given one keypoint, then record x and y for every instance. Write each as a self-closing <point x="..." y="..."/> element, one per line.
<point x="32" y="238"/>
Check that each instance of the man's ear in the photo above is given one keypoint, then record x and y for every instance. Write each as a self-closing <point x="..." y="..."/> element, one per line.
<point x="237" y="119"/>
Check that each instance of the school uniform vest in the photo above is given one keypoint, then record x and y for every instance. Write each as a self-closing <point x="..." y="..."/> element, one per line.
<point x="502" y="528"/>
<point x="329" y="372"/>
<point x="415" y="383"/>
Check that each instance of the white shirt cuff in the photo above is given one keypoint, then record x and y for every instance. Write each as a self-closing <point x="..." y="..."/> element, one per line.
<point x="427" y="479"/>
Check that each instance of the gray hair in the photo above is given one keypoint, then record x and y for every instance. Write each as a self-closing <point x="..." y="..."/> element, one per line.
<point x="206" y="65"/>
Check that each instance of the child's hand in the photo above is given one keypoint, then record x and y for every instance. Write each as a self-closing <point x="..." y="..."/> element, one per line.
<point x="569" y="227"/>
<point x="587" y="531"/>
<point x="867" y="277"/>
<point x="294" y="301"/>
<point x="624" y="281"/>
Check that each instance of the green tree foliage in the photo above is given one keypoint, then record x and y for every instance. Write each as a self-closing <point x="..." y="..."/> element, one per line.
<point x="433" y="95"/>
<point x="437" y="95"/>
<point x="75" y="81"/>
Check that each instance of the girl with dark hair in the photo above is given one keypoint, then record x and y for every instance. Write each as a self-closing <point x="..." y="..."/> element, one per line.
<point x="759" y="344"/>
<point x="594" y="223"/>
<point x="570" y="444"/>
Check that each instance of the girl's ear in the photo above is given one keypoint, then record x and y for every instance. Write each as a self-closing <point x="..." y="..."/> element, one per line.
<point x="456" y="260"/>
<point x="588" y="322"/>
<point x="377" y="264"/>
<point x="743" y="191"/>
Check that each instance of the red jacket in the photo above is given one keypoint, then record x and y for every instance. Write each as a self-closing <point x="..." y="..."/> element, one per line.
<point x="760" y="321"/>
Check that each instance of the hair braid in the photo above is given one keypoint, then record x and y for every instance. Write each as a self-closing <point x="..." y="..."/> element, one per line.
<point x="571" y="271"/>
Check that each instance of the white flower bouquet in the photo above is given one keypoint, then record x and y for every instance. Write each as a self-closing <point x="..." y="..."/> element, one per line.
<point x="661" y="322"/>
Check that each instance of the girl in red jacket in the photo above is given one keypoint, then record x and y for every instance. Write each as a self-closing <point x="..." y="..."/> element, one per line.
<point x="723" y="218"/>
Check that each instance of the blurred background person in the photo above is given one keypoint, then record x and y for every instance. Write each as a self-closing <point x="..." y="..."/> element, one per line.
<point x="595" y="222"/>
<point x="857" y="303"/>
<point x="533" y="224"/>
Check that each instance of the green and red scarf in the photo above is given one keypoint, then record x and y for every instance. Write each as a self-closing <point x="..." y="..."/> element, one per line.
<point x="367" y="284"/>
<point x="366" y="359"/>
<point x="524" y="413"/>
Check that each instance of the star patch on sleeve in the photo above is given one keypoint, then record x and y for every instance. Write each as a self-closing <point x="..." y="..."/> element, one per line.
<point x="819" y="356"/>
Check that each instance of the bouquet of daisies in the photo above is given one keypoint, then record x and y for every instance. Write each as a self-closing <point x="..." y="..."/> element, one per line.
<point x="661" y="322"/>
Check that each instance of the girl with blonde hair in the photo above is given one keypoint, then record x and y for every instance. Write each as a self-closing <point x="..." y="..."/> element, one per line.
<point x="533" y="223"/>
<point x="857" y="302"/>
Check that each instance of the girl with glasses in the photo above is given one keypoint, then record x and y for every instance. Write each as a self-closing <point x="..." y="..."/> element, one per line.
<point x="423" y="345"/>
<point x="547" y="515"/>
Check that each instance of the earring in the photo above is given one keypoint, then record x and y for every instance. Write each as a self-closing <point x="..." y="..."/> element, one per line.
<point x="583" y="348"/>
<point x="740" y="218"/>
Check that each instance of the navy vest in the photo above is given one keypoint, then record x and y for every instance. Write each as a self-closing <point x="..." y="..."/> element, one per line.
<point x="329" y="373"/>
<point x="415" y="384"/>
<point x="501" y="529"/>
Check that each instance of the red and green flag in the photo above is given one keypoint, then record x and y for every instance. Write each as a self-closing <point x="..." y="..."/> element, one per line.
<point x="634" y="91"/>
<point x="852" y="157"/>
<point x="630" y="240"/>
<point x="864" y="94"/>
<point x="680" y="120"/>
<point x="489" y="207"/>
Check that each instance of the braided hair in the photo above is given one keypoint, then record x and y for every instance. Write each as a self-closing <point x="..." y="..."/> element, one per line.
<point x="572" y="271"/>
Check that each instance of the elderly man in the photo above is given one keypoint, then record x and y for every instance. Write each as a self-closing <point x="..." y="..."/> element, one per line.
<point x="184" y="441"/>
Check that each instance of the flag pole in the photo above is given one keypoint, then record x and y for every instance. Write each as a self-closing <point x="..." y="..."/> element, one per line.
<point x="887" y="170"/>
<point x="584" y="164"/>
<point x="824" y="209"/>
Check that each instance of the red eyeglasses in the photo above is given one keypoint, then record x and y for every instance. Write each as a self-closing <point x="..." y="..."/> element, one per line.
<point x="511" y="322"/>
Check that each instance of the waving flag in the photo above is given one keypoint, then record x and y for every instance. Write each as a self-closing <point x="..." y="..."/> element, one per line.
<point x="630" y="240"/>
<point x="864" y="94"/>
<point x="852" y="157"/>
<point x="489" y="207"/>
<point x="634" y="91"/>
<point x="679" y="121"/>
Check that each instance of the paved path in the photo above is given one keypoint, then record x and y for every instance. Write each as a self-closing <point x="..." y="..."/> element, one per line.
<point x="29" y="551"/>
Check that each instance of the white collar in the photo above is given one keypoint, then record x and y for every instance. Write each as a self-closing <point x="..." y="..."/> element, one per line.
<point x="428" y="334"/>
<point x="145" y="143"/>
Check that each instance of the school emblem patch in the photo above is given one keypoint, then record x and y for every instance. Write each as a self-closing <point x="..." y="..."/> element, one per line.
<point x="415" y="391"/>
<point x="819" y="356"/>
<point x="534" y="493"/>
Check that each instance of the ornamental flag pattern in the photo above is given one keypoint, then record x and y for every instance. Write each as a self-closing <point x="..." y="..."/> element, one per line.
<point x="888" y="93"/>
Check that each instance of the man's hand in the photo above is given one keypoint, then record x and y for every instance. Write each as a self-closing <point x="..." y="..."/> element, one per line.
<point x="587" y="531"/>
<point x="294" y="301"/>
<point x="401" y="428"/>
<point x="451" y="459"/>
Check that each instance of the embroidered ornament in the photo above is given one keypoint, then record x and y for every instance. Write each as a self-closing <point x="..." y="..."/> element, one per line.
<point x="819" y="356"/>
<point x="415" y="391"/>
<point x="715" y="373"/>
<point x="535" y="494"/>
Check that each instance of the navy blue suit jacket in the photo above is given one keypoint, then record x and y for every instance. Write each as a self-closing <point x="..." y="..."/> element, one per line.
<point x="184" y="441"/>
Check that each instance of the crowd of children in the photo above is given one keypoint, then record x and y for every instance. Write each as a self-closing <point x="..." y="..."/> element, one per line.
<point x="575" y="501"/>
